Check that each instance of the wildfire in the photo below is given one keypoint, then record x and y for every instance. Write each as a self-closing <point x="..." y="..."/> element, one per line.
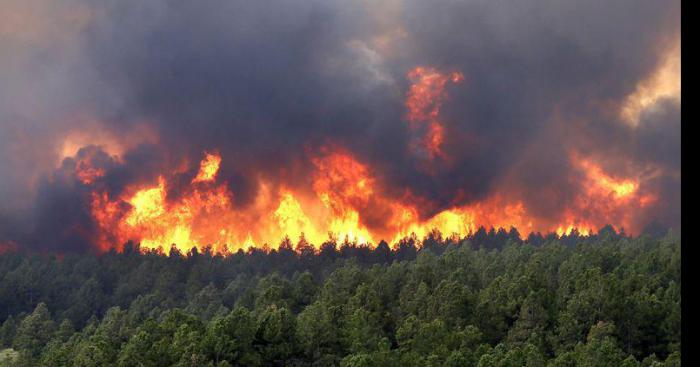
<point x="157" y="223"/>
<point x="341" y="203"/>
<point x="601" y="184"/>
<point x="208" y="168"/>
<point x="292" y="219"/>
<point x="423" y="102"/>
<point x="604" y="198"/>
<point x="86" y="173"/>
<point x="147" y="204"/>
<point x="344" y="199"/>
<point x="84" y="164"/>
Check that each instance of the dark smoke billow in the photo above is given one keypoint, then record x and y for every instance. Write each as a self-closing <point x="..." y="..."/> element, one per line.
<point x="268" y="85"/>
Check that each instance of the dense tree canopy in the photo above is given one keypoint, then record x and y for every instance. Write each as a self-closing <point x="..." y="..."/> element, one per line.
<point x="489" y="299"/>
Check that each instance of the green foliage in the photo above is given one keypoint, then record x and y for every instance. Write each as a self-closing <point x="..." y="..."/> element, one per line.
<point x="488" y="300"/>
<point x="7" y="332"/>
<point x="33" y="333"/>
<point x="230" y="338"/>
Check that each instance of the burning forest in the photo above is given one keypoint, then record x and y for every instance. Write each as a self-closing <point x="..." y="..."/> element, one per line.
<point x="234" y="127"/>
<point x="340" y="183"/>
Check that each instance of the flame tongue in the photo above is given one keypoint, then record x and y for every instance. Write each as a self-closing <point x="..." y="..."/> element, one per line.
<point x="424" y="101"/>
<point x="344" y="199"/>
<point x="157" y="223"/>
<point x="208" y="169"/>
<point x="603" y="184"/>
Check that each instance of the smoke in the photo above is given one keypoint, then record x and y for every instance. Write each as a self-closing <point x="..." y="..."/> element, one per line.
<point x="143" y="86"/>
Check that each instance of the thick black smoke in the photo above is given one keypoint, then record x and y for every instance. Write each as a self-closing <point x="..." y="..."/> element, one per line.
<point x="266" y="83"/>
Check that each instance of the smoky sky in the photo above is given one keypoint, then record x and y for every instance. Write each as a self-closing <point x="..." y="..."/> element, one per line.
<point x="265" y="84"/>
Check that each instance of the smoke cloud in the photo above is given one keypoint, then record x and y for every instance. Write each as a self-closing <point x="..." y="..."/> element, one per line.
<point x="134" y="89"/>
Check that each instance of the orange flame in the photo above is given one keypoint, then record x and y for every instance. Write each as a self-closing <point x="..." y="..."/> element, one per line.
<point x="605" y="199"/>
<point x="606" y="185"/>
<point x="344" y="199"/>
<point x="86" y="173"/>
<point x="344" y="195"/>
<point x="157" y="223"/>
<point x="209" y="167"/>
<point x="424" y="101"/>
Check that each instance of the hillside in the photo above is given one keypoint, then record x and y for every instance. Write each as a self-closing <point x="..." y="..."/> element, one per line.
<point x="602" y="300"/>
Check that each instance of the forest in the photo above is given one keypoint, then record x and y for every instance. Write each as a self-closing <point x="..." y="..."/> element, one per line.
<point x="487" y="299"/>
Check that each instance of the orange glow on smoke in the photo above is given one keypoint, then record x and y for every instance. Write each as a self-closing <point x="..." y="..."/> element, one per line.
<point x="8" y="246"/>
<point x="423" y="102"/>
<point x="86" y="173"/>
<point x="434" y="139"/>
<point x="664" y="82"/>
<point x="604" y="199"/>
<point x="93" y="133"/>
<point x="606" y="185"/>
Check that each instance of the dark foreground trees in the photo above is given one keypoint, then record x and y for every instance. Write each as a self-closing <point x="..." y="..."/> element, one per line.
<point x="607" y="300"/>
